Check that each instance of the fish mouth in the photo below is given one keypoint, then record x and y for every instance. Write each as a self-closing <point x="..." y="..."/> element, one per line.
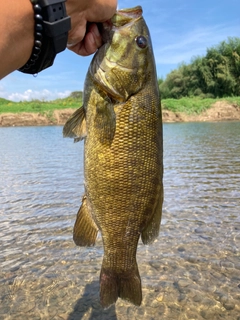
<point x="120" y="19"/>
<point x="124" y="16"/>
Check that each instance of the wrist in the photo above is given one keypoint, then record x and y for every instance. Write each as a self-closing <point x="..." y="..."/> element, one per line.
<point x="26" y="33"/>
<point x="50" y="34"/>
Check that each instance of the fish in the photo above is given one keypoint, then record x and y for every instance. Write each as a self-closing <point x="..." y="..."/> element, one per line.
<point x="120" y="122"/>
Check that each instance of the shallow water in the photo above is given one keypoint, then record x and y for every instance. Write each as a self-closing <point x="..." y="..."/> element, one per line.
<point x="192" y="271"/>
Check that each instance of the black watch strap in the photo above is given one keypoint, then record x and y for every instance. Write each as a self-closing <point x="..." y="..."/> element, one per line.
<point x="50" y="32"/>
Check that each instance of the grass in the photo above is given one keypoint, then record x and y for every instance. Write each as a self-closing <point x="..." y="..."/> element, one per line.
<point x="187" y="105"/>
<point x="194" y="105"/>
<point x="38" y="106"/>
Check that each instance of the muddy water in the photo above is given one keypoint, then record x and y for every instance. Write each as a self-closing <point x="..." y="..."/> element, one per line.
<point x="192" y="271"/>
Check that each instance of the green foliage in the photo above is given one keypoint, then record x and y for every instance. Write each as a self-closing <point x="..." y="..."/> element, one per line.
<point x="42" y="107"/>
<point x="195" y="105"/>
<point x="4" y="101"/>
<point x="187" y="105"/>
<point x="217" y="74"/>
<point x="77" y="95"/>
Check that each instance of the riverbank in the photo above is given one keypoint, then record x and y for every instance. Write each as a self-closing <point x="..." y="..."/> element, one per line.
<point x="219" y="111"/>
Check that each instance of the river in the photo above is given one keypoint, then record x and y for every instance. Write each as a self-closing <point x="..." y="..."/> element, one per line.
<point x="192" y="270"/>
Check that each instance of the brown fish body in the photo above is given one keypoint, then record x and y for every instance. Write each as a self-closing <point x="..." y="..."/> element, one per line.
<point x="121" y="118"/>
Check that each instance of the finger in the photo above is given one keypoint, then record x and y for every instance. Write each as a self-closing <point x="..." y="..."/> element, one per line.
<point x="85" y="47"/>
<point x="77" y="34"/>
<point x="93" y="29"/>
<point x="91" y="42"/>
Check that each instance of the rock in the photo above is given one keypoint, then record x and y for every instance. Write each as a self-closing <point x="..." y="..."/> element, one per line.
<point x="229" y="305"/>
<point x="181" y="297"/>
<point x="160" y="297"/>
<point x="181" y="249"/>
<point x="197" y="298"/>
<point x="184" y="283"/>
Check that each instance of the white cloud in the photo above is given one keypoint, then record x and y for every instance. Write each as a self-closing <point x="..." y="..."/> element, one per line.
<point x="30" y="94"/>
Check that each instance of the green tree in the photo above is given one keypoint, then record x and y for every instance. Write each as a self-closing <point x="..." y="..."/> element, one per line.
<point x="217" y="74"/>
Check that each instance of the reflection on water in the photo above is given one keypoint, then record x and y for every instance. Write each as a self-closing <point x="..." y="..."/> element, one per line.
<point x="192" y="271"/>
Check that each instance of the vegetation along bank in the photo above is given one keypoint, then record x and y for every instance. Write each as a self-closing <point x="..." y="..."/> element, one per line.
<point x="174" y="110"/>
<point x="207" y="89"/>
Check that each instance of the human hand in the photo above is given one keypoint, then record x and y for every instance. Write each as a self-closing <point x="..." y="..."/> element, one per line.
<point x="84" y="37"/>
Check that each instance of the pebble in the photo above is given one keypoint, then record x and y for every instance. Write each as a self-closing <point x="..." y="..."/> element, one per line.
<point x="205" y="314"/>
<point x="227" y="264"/>
<point x="223" y="298"/>
<point x="192" y="259"/>
<point x="155" y="265"/>
<point x="199" y="230"/>
<point x="184" y="283"/>
<point x="181" y="249"/>
<point x="160" y="297"/>
<point x="208" y="302"/>
<point x="181" y="297"/>
<point x="14" y="269"/>
<point x="228" y="305"/>
<point x="155" y="303"/>
<point x="198" y="298"/>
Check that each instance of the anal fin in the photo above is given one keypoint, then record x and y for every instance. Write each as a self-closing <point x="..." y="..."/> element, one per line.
<point x="85" y="229"/>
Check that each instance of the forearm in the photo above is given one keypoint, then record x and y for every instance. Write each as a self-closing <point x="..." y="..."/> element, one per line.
<point x="17" y="29"/>
<point x="17" y="34"/>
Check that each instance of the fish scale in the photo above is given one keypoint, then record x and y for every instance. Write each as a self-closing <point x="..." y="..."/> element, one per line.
<point x="121" y="123"/>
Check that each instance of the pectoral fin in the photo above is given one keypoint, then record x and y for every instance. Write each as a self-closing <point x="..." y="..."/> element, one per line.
<point x="151" y="231"/>
<point x="85" y="230"/>
<point x="75" y="127"/>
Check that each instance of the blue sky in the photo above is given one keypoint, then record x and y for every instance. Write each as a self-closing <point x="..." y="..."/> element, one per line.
<point x="179" y="29"/>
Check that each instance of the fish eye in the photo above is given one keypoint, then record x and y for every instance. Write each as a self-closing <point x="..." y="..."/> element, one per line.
<point x="141" y="42"/>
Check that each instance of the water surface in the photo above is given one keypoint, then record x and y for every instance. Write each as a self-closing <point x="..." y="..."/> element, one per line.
<point x="192" y="271"/>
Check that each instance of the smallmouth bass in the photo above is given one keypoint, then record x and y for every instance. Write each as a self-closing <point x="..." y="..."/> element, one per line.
<point x="121" y="123"/>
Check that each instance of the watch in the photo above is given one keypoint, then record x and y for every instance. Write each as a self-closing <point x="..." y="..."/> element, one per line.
<point x="50" y="34"/>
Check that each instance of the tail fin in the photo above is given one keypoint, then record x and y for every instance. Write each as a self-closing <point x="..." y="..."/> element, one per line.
<point x="126" y="285"/>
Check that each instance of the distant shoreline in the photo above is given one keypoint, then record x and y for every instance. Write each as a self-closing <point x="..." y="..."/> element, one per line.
<point x="220" y="111"/>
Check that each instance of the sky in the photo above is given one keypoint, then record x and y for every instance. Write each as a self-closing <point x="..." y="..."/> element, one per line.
<point x="180" y="30"/>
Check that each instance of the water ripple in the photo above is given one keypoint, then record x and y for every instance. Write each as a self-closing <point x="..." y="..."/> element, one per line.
<point x="192" y="271"/>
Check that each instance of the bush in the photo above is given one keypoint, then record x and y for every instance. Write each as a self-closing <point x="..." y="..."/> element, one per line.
<point x="217" y="74"/>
